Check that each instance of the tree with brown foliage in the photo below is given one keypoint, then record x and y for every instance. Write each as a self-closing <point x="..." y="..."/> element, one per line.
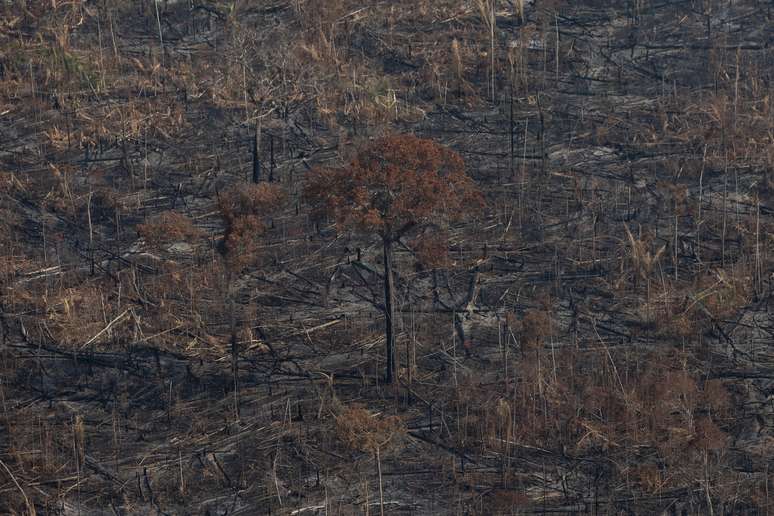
<point x="394" y="186"/>
<point x="245" y="209"/>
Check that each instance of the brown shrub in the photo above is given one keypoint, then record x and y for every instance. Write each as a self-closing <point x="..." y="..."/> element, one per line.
<point x="244" y="210"/>
<point x="649" y="477"/>
<point x="533" y="328"/>
<point x="260" y="200"/>
<point x="717" y="398"/>
<point x="708" y="436"/>
<point x="168" y="227"/>
<point x="361" y="430"/>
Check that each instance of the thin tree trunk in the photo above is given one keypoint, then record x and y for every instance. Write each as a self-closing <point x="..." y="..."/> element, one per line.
<point x="492" y="22"/>
<point x="161" y="38"/>
<point x="91" y="234"/>
<point x="381" y="490"/>
<point x="256" y="152"/>
<point x="389" y="311"/>
<point x="542" y="139"/>
<point x="271" y="158"/>
<point x="234" y="341"/>
<point x="511" y="134"/>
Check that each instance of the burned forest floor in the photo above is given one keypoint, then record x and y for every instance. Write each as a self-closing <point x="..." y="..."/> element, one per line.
<point x="597" y="339"/>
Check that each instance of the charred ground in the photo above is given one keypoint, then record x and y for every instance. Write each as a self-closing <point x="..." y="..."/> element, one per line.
<point x="598" y="339"/>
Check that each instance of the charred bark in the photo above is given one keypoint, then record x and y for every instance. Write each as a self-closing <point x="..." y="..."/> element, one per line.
<point x="389" y="312"/>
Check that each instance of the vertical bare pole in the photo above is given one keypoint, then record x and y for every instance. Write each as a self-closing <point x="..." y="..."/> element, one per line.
<point x="91" y="233"/>
<point x="556" y="21"/>
<point x="725" y="217"/>
<point x="381" y="490"/>
<point x="698" y="220"/>
<point x="244" y="88"/>
<point x="523" y="171"/>
<point x="675" y="246"/>
<point x="234" y="342"/>
<point x="542" y="136"/>
<point x="101" y="55"/>
<point x="256" y="153"/>
<point x="271" y="158"/>
<point x="113" y="35"/>
<point x="389" y="311"/>
<point x="492" y="21"/>
<point x="736" y="86"/>
<point x="758" y="271"/>
<point x="161" y="38"/>
<point x="510" y="129"/>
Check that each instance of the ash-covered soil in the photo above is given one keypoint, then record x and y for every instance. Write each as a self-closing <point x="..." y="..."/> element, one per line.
<point x="597" y="340"/>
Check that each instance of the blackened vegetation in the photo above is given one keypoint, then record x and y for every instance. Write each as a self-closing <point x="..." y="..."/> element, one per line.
<point x="181" y="333"/>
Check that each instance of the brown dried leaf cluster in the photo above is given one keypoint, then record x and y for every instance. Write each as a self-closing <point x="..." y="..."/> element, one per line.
<point x="394" y="184"/>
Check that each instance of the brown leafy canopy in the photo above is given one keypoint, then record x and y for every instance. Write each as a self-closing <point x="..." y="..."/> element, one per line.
<point x="394" y="184"/>
<point x="244" y="209"/>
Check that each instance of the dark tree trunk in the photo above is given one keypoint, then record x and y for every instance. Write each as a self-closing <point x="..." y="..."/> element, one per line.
<point x="271" y="158"/>
<point x="389" y="312"/>
<point x="231" y="293"/>
<point x="256" y="159"/>
<point x="511" y="134"/>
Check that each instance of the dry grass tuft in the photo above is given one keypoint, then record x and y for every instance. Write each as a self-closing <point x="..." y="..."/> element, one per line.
<point x="643" y="260"/>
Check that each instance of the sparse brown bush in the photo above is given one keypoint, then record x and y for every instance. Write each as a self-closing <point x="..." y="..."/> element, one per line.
<point x="169" y="227"/>
<point x="362" y="430"/>
<point x="716" y="397"/>
<point x="708" y="436"/>
<point x="533" y="328"/>
<point x="246" y="210"/>
<point x="649" y="477"/>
